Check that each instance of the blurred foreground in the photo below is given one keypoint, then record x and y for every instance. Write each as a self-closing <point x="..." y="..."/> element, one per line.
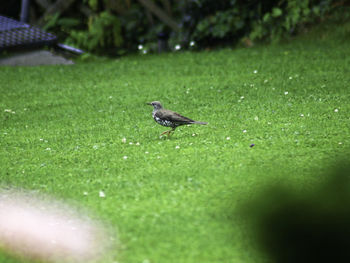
<point x="309" y="225"/>
<point x="48" y="231"/>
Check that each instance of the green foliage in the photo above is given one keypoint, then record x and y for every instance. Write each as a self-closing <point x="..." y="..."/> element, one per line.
<point x="286" y="18"/>
<point x="116" y="26"/>
<point x="104" y="32"/>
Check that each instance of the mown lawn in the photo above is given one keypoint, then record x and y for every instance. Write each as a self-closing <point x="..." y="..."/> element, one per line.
<point x="62" y="131"/>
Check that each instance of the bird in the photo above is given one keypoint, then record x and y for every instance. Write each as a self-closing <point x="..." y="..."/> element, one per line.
<point x="170" y="118"/>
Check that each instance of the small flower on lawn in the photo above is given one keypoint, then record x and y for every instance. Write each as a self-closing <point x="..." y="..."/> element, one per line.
<point x="193" y="134"/>
<point x="110" y="97"/>
<point x="48" y="149"/>
<point x="177" y="147"/>
<point x="41" y="139"/>
<point x="301" y="115"/>
<point x="244" y="131"/>
<point x="8" y="110"/>
<point x="140" y="47"/>
<point x="137" y="143"/>
<point x="144" y="51"/>
<point x="131" y="143"/>
<point x="101" y="194"/>
<point x="177" y="47"/>
<point x="124" y="140"/>
<point x="95" y="147"/>
<point x="125" y="157"/>
<point x="256" y="118"/>
<point x="85" y="193"/>
<point x="340" y="143"/>
<point x="290" y="77"/>
<point x="228" y="138"/>
<point x="255" y="71"/>
<point x="146" y="152"/>
<point x="336" y="110"/>
<point x="192" y="43"/>
<point x="190" y="143"/>
<point x="286" y="93"/>
<point x="265" y="81"/>
<point x="242" y="97"/>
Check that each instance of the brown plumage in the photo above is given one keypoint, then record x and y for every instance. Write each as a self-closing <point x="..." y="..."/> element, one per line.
<point x="170" y="118"/>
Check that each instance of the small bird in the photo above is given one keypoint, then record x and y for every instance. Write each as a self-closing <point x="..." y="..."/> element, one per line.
<point x="170" y="118"/>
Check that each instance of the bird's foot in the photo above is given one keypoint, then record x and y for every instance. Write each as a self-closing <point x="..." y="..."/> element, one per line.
<point x="166" y="132"/>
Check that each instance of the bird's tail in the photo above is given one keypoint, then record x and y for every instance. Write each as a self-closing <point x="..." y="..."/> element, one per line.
<point x="200" y="122"/>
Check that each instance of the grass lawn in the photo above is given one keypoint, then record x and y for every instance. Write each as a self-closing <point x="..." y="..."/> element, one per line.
<point x="62" y="131"/>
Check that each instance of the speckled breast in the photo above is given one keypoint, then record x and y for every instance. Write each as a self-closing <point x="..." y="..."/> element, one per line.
<point x="162" y="122"/>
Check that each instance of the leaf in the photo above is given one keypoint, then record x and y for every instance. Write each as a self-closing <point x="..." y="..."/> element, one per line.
<point x="276" y="12"/>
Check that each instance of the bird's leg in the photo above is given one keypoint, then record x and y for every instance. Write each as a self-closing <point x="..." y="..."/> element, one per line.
<point x="170" y="131"/>
<point x="165" y="132"/>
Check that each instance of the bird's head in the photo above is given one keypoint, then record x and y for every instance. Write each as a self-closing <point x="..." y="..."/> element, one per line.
<point x="156" y="105"/>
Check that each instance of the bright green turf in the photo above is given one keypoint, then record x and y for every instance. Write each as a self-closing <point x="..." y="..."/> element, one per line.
<point x="177" y="204"/>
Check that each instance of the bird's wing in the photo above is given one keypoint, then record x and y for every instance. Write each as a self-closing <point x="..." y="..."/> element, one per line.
<point x="172" y="116"/>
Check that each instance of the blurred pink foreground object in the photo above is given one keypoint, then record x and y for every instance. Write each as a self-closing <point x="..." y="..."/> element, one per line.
<point x="47" y="231"/>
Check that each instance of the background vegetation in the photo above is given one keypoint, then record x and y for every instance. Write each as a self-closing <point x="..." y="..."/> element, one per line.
<point x="115" y="27"/>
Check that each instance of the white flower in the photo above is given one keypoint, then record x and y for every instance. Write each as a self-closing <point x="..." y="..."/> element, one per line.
<point x="85" y="193"/>
<point x="48" y="149"/>
<point x="124" y="140"/>
<point x="125" y="157"/>
<point x="244" y="131"/>
<point x="131" y="143"/>
<point x="137" y="143"/>
<point x="41" y="139"/>
<point x="101" y="194"/>
<point x="340" y="143"/>
<point x="7" y="110"/>
<point x="336" y="110"/>
<point x="177" y="147"/>
<point x="256" y="118"/>
<point x="228" y="138"/>
<point x="110" y="97"/>
<point x="242" y="97"/>
<point x="286" y="93"/>
<point x="177" y="47"/>
<point x="192" y="43"/>
<point x="265" y="81"/>
<point x="193" y="134"/>
<point x="255" y="71"/>
<point x="95" y="147"/>
<point x="301" y="115"/>
<point x="290" y="77"/>
<point x="146" y="152"/>
<point x="144" y="51"/>
<point x="140" y="47"/>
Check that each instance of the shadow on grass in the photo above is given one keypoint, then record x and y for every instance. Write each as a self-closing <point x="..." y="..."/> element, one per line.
<point x="290" y="225"/>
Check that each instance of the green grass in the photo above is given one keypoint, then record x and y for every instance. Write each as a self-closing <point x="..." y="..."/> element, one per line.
<point x="170" y="204"/>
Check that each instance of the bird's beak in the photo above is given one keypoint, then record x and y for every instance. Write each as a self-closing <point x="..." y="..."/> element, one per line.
<point x="148" y="103"/>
